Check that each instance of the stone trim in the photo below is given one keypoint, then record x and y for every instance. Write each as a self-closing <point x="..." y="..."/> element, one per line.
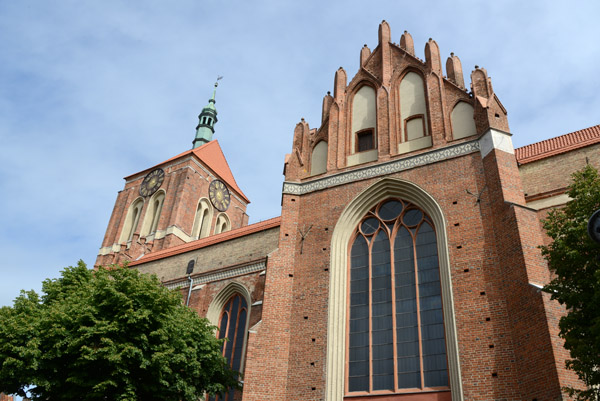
<point x="221" y="275"/>
<point x="394" y="166"/>
<point x="494" y="139"/>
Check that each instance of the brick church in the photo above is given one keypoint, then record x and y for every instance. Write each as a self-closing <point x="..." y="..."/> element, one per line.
<point x="404" y="265"/>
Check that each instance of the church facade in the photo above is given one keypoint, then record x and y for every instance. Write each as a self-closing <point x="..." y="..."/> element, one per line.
<point x="404" y="265"/>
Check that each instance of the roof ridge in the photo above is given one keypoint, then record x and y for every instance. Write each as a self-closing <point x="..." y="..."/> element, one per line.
<point x="557" y="145"/>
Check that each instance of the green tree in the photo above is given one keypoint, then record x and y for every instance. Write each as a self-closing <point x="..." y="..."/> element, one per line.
<point x="574" y="259"/>
<point x="108" y="334"/>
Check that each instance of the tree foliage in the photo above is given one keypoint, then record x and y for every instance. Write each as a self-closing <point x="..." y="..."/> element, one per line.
<point x="108" y="334"/>
<point x="574" y="259"/>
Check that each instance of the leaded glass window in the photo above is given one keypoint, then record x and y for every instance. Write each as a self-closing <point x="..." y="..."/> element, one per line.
<point x="396" y="341"/>
<point x="232" y="328"/>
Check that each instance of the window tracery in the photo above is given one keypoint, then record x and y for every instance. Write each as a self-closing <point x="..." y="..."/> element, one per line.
<point x="396" y="341"/>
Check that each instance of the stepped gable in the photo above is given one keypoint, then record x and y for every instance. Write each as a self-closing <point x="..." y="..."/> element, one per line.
<point x="210" y="240"/>
<point x="212" y="156"/>
<point x="560" y="144"/>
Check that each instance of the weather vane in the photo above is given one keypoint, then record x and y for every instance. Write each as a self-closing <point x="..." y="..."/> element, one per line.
<point x="219" y="77"/>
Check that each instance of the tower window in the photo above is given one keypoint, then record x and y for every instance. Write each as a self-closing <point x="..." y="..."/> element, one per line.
<point x="131" y="221"/>
<point x="365" y="140"/>
<point x="202" y="220"/>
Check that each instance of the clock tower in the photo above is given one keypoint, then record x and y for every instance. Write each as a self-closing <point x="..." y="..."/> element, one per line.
<point x="183" y="199"/>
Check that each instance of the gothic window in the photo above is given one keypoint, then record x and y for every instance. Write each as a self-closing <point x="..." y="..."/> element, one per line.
<point x="153" y="213"/>
<point x="396" y="341"/>
<point x="222" y="224"/>
<point x="201" y="227"/>
<point x="131" y="221"/>
<point x="232" y="327"/>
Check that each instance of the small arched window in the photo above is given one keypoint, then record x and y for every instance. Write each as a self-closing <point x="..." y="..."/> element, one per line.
<point x="204" y="213"/>
<point x="131" y="221"/>
<point x="232" y="328"/>
<point x="223" y="224"/>
<point x="396" y="341"/>
<point x="152" y="217"/>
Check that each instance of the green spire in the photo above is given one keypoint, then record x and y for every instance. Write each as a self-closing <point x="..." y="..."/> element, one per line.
<point x="206" y="121"/>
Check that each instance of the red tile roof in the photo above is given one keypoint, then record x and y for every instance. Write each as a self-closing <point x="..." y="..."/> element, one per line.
<point x="558" y="145"/>
<point x="212" y="156"/>
<point x="211" y="240"/>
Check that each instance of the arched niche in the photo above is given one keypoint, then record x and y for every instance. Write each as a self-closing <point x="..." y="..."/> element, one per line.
<point x="413" y="114"/>
<point x="463" y="121"/>
<point x="202" y="219"/>
<point x="363" y="133"/>
<point x="152" y="216"/>
<point x="222" y="224"/>
<point x="318" y="160"/>
<point x="131" y="220"/>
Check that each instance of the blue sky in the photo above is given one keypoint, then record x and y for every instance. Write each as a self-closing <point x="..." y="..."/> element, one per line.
<point x="93" y="91"/>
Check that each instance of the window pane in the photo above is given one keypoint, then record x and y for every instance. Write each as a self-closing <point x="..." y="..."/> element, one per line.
<point x="240" y="335"/>
<point x="382" y="333"/>
<point x="412" y="217"/>
<point x="365" y="140"/>
<point x="369" y="226"/>
<point x="390" y="210"/>
<point x="358" y="383"/>
<point x="358" y="374"/>
<point x="430" y="300"/>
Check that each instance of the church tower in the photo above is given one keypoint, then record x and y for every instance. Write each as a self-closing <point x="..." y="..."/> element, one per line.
<point x="190" y="196"/>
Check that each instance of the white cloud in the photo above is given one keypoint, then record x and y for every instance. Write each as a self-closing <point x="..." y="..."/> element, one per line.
<point x="94" y="91"/>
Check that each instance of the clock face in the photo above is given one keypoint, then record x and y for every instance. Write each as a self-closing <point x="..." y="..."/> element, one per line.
<point x="152" y="182"/>
<point x="219" y="195"/>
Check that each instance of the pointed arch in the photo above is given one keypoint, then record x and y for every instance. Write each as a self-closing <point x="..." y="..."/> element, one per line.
<point x="152" y="216"/>
<point x="131" y="220"/>
<point x="214" y="309"/>
<point x="202" y="220"/>
<point x="342" y="235"/>
<point x="363" y="132"/>
<point x="318" y="159"/>
<point x="462" y="119"/>
<point x="413" y="122"/>
<point x="230" y="313"/>
<point x="223" y="223"/>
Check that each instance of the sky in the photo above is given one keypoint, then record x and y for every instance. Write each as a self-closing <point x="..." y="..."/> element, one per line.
<point x="93" y="91"/>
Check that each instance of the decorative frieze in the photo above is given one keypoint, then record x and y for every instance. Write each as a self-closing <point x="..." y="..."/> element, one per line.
<point x="378" y="170"/>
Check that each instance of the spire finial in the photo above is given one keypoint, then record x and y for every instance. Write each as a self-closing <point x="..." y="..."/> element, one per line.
<point x="207" y="120"/>
<point x="219" y="77"/>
